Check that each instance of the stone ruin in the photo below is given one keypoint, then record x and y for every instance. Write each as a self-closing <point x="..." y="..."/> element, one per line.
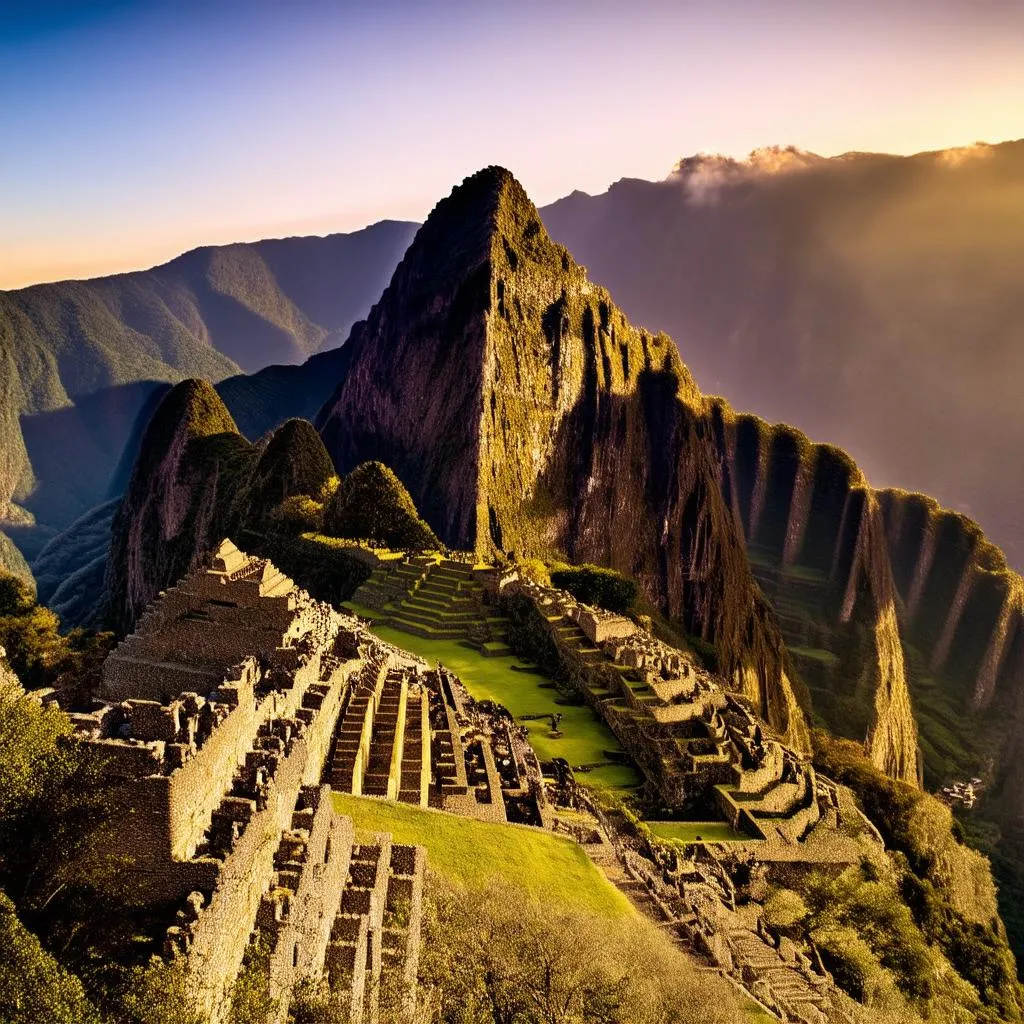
<point x="702" y="749"/>
<point x="413" y="734"/>
<point x="218" y="715"/>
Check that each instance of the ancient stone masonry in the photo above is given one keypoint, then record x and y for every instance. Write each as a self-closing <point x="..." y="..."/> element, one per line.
<point x="219" y="714"/>
<point x="415" y="735"/>
<point x="437" y="598"/>
<point x="702" y="749"/>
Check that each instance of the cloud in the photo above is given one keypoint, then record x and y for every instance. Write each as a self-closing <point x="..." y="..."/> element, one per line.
<point x="705" y="175"/>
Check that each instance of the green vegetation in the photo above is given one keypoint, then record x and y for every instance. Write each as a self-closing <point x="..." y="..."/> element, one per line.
<point x="329" y="568"/>
<point x="34" y="987"/>
<point x="696" y="831"/>
<point x="594" y="585"/>
<point x="585" y="740"/>
<point x="478" y="854"/>
<point x="947" y="887"/>
<point x="36" y="650"/>
<point x="373" y="504"/>
<point x="521" y="962"/>
<point x="12" y="561"/>
<point x="294" y="463"/>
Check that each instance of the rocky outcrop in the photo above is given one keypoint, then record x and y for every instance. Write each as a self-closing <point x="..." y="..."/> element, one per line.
<point x="525" y="414"/>
<point x="178" y="499"/>
<point x="817" y="541"/>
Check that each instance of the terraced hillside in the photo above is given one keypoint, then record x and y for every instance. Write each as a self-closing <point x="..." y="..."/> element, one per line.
<point x="435" y="598"/>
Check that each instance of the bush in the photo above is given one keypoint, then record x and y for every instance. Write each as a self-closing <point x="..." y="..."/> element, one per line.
<point x="372" y="504"/>
<point x="785" y="908"/>
<point x="591" y="584"/>
<point x="160" y="993"/>
<point x="33" y="986"/>
<point x="298" y="514"/>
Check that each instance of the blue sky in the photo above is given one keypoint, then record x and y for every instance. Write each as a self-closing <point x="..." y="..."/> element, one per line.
<point x="132" y="131"/>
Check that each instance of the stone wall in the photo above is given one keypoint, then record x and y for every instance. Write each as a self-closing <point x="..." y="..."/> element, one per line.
<point x="298" y="913"/>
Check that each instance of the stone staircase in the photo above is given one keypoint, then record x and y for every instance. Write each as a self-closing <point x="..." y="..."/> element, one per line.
<point x="414" y="785"/>
<point x="354" y="952"/>
<point x="437" y="599"/>
<point x="387" y="739"/>
<point x="354" y="732"/>
<point x="777" y="982"/>
<point x="373" y="952"/>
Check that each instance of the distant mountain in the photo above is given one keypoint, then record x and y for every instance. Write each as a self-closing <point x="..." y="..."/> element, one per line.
<point x="876" y="302"/>
<point x="68" y="350"/>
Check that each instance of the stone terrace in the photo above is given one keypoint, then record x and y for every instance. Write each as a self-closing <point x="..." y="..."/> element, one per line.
<point x="700" y="746"/>
<point x="437" y="598"/>
<point x="219" y="714"/>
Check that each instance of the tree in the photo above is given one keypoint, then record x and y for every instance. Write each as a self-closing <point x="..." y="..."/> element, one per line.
<point x="595" y="585"/>
<point x="33" y="986"/>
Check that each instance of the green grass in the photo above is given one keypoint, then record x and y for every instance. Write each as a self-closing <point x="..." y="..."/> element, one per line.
<point x="584" y="738"/>
<point x="696" y="831"/>
<point x="545" y="867"/>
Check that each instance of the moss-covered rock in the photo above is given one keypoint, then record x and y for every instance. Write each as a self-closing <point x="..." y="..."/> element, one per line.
<point x="372" y="504"/>
<point x="293" y="463"/>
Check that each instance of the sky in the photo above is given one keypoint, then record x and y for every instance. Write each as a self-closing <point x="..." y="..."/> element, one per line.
<point x="130" y="132"/>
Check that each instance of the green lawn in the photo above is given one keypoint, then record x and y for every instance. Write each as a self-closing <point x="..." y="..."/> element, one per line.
<point x="584" y="739"/>
<point x="546" y="867"/>
<point x="695" y="831"/>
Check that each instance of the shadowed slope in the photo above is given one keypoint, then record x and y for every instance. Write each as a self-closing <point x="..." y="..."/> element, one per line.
<point x="525" y="414"/>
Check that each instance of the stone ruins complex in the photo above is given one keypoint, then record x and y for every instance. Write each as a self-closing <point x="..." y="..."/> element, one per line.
<point x="219" y="714"/>
<point x="240" y="703"/>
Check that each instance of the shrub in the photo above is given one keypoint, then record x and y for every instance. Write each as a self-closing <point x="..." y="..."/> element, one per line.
<point x="595" y="585"/>
<point x="160" y="993"/>
<point x="33" y="986"/>
<point x="785" y="908"/>
<point x="297" y="514"/>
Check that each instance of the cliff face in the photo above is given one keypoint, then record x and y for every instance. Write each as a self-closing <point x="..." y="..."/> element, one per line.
<point x="816" y="537"/>
<point x="525" y="414"/>
<point x="964" y="620"/>
<point x="195" y="480"/>
<point x="178" y="497"/>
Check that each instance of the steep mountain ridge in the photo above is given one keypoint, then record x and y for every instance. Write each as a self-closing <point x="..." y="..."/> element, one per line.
<point x="866" y="298"/>
<point x="180" y="493"/>
<point x="817" y="541"/>
<point x="209" y="313"/>
<point x="508" y="394"/>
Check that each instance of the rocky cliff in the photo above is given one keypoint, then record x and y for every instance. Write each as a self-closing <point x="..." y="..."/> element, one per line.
<point x="78" y="358"/>
<point x="181" y="489"/>
<point x="816" y="537"/>
<point x="195" y="480"/>
<point x="526" y="415"/>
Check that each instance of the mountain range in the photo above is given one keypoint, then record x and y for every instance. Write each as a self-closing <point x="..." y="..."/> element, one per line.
<point x="529" y="416"/>
<point x="871" y="300"/>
